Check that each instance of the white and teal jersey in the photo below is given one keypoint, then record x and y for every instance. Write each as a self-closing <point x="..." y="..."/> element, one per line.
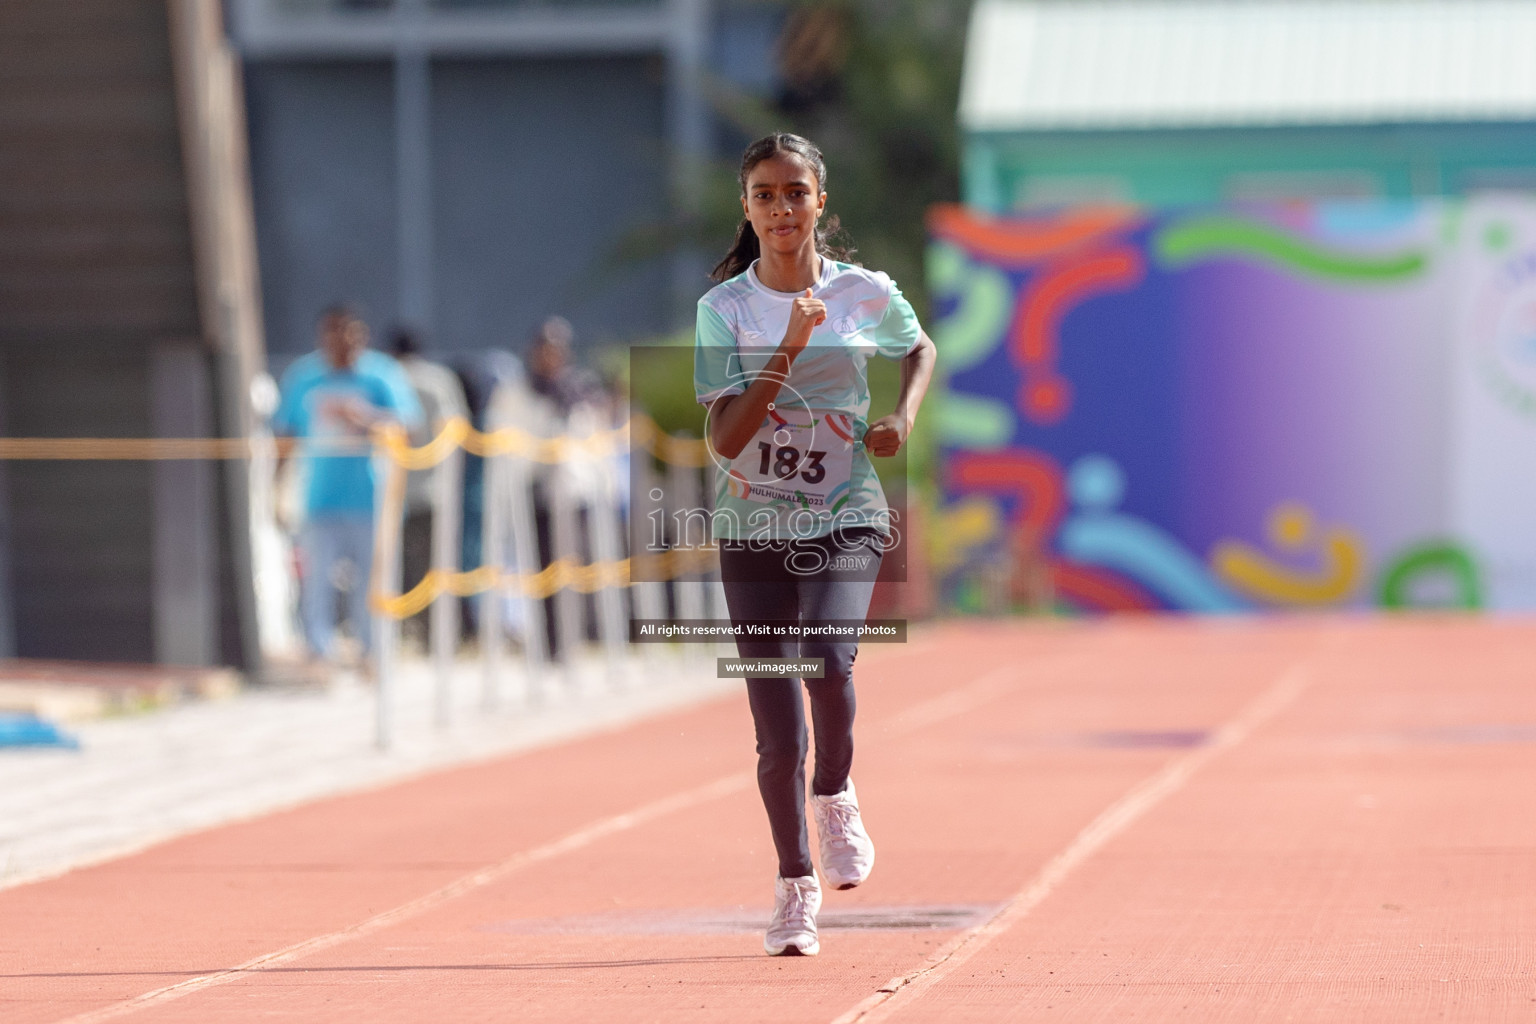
<point x="806" y="471"/>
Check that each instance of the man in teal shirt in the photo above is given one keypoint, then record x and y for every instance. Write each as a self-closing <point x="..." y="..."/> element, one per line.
<point x="331" y="399"/>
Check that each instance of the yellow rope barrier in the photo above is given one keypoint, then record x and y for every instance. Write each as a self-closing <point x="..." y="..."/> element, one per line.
<point x="678" y="451"/>
<point x="125" y="448"/>
<point x="556" y="576"/>
<point x="641" y="430"/>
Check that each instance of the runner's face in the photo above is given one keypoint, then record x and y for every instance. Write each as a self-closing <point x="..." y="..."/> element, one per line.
<point x="783" y="201"/>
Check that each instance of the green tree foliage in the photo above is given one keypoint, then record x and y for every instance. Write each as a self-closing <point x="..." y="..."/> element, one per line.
<point x="876" y="83"/>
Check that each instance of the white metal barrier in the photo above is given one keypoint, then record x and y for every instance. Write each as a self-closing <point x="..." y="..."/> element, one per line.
<point x="581" y="495"/>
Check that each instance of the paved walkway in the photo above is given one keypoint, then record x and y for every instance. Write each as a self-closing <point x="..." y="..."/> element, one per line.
<point x="140" y="779"/>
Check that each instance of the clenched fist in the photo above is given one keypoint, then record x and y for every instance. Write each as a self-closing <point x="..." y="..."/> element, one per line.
<point x="805" y="315"/>
<point x="886" y="435"/>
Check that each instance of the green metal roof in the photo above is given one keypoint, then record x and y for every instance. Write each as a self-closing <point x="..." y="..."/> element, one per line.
<point x="1125" y="64"/>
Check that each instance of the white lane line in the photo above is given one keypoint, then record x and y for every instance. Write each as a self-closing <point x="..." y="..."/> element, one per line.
<point x="582" y="837"/>
<point x="1115" y="819"/>
<point x="954" y="702"/>
<point x="988" y="687"/>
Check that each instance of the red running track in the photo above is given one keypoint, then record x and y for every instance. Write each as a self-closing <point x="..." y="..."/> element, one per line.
<point x="1313" y="820"/>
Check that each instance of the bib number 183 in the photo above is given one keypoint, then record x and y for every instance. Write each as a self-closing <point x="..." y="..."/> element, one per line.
<point x="785" y="463"/>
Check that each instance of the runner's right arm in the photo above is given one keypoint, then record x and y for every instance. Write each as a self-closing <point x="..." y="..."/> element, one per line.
<point x="733" y="419"/>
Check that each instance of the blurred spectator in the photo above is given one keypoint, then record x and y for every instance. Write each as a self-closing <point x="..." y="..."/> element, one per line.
<point x="577" y="403"/>
<point x="482" y="375"/>
<point x="616" y="412"/>
<point x="437" y="387"/>
<point x="442" y="398"/>
<point x="551" y="372"/>
<point x="331" y="399"/>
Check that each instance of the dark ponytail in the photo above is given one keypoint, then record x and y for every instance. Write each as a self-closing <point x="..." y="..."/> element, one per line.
<point x="746" y="248"/>
<point x="743" y="251"/>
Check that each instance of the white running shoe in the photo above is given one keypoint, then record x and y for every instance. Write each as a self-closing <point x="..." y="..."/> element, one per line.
<point x="847" y="853"/>
<point x="792" y="932"/>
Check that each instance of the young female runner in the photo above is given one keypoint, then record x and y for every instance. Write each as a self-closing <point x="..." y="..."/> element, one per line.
<point x="780" y="357"/>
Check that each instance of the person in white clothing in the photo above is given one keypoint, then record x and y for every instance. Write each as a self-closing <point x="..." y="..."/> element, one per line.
<point x="780" y="364"/>
<point x="442" y="399"/>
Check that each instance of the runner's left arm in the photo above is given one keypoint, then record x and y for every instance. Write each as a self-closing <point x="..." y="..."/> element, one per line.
<point x="886" y="435"/>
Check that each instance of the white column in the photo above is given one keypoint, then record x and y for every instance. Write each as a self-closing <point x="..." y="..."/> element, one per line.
<point x="518" y="480"/>
<point x="493" y="532"/>
<point x="447" y="516"/>
<point x="186" y="593"/>
<point x="389" y="518"/>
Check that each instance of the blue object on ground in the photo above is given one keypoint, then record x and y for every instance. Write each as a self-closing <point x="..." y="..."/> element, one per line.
<point x="27" y="730"/>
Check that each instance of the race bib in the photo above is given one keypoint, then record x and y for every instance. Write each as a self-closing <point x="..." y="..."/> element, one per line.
<point x="797" y="457"/>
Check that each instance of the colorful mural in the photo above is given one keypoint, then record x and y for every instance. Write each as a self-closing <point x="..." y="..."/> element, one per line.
<point x="1310" y="406"/>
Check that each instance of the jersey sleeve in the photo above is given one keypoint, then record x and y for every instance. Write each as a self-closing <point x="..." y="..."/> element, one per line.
<point x="714" y="344"/>
<point x="898" y="331"/>
<point x="290" y="418"/>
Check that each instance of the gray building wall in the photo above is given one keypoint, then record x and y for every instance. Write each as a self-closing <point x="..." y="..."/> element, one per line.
<point x="539" y="169"/>
<point x="96" y="278"/>
<point x="558" y="144"/>
<point x="323" y="182"/>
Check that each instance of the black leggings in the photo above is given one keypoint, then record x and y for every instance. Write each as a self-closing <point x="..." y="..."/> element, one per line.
<point x="779" y="584"/>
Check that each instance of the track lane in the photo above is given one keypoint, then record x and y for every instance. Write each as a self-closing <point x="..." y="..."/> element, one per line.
<point x="1119" y="816"/>
<point x="283" y="881"/>
<point x="1365" y="858"/>
<point x="970" y="792"/>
